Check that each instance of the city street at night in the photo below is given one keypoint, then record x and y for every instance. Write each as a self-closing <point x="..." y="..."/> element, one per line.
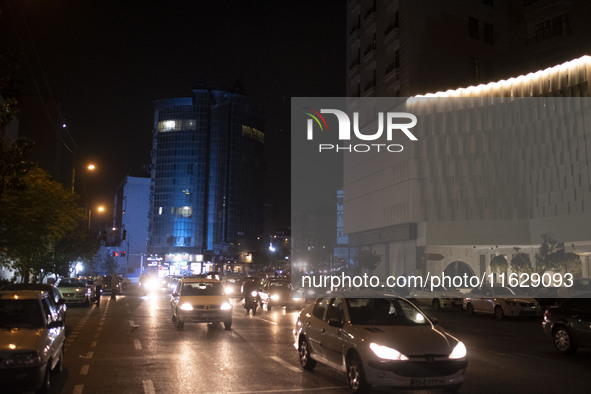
<point x="131" y="346"/>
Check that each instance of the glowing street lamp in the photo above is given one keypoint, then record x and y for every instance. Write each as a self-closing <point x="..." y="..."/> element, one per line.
<point x="100" y="209"/>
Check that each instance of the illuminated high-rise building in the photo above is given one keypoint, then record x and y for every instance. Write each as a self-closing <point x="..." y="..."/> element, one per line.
<point x="207" y="178"/>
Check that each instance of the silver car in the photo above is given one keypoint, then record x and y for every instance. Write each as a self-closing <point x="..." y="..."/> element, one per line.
<point x="31" y="340"/>
<point x="381" y="342"/>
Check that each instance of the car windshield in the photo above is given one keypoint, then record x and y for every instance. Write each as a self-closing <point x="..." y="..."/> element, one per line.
<point x="20" y="314"/>
<point x="202" y="289"/>
<point x="71" y="283"/>
<point x="384" y="312"/>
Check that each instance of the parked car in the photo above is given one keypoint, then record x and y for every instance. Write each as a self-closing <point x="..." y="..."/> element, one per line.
<point x="200" y="300"/>
<point x="437" y="297"/>
<point x="501" y="302"/>
<point x="381" y="342"/>
<point x="569" y="324"/>
<point x="32" y="337"/>
<point x="55" y="297"/>
<point x="278" y="293"/>
<point x="75" y="291"/>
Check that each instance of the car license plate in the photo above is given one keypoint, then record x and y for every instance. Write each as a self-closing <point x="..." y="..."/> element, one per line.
<point x="418" y="382"/>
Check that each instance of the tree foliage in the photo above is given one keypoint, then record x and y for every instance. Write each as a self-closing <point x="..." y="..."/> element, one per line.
<point x="499" y="264"/>
<point x="552" y="256"/>
<point x="35" y="220"/>
<point x="521" y="263"/>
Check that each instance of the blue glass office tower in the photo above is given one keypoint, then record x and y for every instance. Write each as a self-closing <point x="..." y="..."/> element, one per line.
<point x="207" y="176"/>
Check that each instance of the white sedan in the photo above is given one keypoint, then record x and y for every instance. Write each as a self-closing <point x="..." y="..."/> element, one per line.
<point x="501" y="302"/>
<point x="381" y="342"/>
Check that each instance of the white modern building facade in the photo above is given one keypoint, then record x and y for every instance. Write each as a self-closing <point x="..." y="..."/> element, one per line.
<point x="481" y="181"/>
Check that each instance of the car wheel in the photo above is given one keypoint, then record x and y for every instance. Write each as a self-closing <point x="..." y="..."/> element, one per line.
<point x="60" y="365"/>
<point x="436" y="305"/>
<point x="355" y="375"/>
<point x="305" y="359"/>
<point x="228" y="324"/>
<point x="179" y="323"/>
<point x="563" y="341"/>
<point x="44" y="389"/>
<point x="499" y="314"/>
<point x="269" y="306"/>
<point x="470" y="309"/>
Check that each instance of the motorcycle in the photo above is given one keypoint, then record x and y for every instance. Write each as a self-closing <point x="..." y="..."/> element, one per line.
<point x="251" y="302"/>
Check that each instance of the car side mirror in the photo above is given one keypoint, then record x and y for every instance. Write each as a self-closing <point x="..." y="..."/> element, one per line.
<point x="333" y="322"/>
<point x="55" y="324"/>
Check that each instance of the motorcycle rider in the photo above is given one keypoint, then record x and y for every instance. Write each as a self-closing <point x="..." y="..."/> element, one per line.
<point x="98" y="288"/>
<point x="250" y="301"/>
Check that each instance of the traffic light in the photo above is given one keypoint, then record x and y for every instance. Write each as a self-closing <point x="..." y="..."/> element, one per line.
<point x="115" y="254"/>
<point x="124" y="235"/>
<point x="123" y="253"/>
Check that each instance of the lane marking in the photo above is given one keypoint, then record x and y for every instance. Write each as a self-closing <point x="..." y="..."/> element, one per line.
<point x="131" y="323"/>
<point x="287" y="365"/>
<point x="149" y="387"/>
<point x="270" y="321"/>
<point x="93" y="344"/>
<point x="137" y="344"/>
<point x="78" y="389"/>
<point x="84" y="369"/>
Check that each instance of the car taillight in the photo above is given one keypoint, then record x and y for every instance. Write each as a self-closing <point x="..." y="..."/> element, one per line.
<point x="547" y="312"/>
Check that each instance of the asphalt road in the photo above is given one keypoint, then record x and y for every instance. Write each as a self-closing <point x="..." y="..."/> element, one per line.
<point x="131" y="346"/>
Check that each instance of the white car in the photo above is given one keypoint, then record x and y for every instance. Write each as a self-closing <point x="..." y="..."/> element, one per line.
<point x="500" y="301"/>
<point x="381" y="342"/>
<point x="75" y="291"/>
<point x="437" y="297"/>
<point x="200" y="300"/>
<point x="32" y="337"/>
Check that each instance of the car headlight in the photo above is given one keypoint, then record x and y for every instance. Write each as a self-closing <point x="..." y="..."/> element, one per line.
<point x="386" y="353"/>
<point x="31" y="358"/>
<point x="229" y="290"/>
<point x="459" y="351"/>
<point x="225" y="306"/>
<point x="511" y="303"/>
<point x="275" y="297"/>
<point x="186" y="307"/>
<point x="296" y="299"/>
<point x="254" y="294"/>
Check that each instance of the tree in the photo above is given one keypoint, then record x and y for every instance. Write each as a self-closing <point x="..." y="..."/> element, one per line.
<point x="110" y="265"/>
<point x="551" y="256"/>
<point x="499" y="264"/>
<point x="34" y="220"/>
<point x="521" y="263"/>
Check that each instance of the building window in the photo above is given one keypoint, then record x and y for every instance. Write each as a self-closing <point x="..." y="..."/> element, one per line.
<point x="560" y="26"/>
<point x="543" y="31"/>
<point x="488" y="34"/>
<point x="473" y="28"/>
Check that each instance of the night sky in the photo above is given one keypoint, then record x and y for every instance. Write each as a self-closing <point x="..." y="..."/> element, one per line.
<point x="107" y="61"/>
